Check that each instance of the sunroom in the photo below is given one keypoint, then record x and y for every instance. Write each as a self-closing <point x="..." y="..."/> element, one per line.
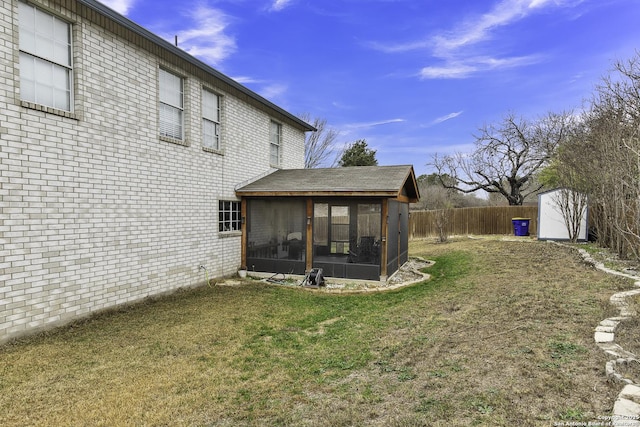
<point x="352" y="222"/>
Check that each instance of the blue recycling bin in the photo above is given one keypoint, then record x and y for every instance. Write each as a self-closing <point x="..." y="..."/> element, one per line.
<point x="520" y="226"/>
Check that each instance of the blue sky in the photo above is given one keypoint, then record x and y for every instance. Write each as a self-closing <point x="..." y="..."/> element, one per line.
<point x="412" y="77"/>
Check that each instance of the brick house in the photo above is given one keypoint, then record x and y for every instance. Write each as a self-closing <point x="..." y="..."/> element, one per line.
<point x="119" y="159"/>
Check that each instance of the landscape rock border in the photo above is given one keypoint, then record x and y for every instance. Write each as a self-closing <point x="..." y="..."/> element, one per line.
<point x="408" y="274"/>
<point x="626" y="409"/>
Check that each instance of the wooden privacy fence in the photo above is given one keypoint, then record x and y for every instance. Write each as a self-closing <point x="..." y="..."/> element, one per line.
<point x="464" y="221"/>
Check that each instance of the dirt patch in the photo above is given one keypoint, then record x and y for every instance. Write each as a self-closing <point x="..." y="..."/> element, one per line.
<point x="629" y="370"/>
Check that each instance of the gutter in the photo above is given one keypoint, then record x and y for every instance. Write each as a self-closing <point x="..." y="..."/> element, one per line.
<point x="139" y="30"/>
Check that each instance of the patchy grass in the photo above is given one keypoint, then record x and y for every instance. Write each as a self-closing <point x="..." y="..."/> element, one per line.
<point x="501" y="335"/>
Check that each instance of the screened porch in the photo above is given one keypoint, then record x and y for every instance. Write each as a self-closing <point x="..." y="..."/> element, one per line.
<point x="295" y="220"/>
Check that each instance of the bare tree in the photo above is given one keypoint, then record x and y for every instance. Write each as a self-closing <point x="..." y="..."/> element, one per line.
<point x="572" y="206"/>
<point x="507" y="157"/>
<point x="602" y="159"/>
<point x="318" y="146"/>
<point x="609" y="163"/>
<point x="432" y="191"/>
<point x="442" y="205"/>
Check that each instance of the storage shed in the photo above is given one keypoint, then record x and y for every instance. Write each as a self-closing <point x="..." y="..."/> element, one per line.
<point x="352" y="222"/>
<point x="552" y="222"/>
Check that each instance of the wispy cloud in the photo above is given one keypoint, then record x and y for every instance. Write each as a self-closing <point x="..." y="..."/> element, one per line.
<point x="362" y="129"/>
<point x="342" y="106"/>
<point x="273" y="90"/>
<point x="266" y="89"/>
<point x="400" y="47"/>
<point x="278" y="5"/>
<point x="466" y="67"/>
<point x="207" y="38"/>
<point x="373" y="124"/>
<point x="450" y="70"/>
<point x="120" y="6"/>
<point x="458" y="49"/>
<point x="477" y="29"/>
<point x="447" y="117"/>
<point x="246" y="79"/>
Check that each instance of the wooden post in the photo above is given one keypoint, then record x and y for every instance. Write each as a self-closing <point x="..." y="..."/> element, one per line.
<point x="385" y="237"/>
<point x="243" y="243"/>
<point x="309" y="240"/>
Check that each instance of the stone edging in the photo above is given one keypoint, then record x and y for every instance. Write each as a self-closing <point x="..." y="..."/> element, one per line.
<point x="626" y="409"/>
<point x="361" y="286"/>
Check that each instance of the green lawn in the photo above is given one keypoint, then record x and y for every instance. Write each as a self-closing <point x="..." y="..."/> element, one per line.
<point x="501" y="335"/>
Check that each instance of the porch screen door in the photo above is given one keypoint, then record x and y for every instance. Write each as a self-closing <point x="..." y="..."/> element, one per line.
<point x="340" y="230"/>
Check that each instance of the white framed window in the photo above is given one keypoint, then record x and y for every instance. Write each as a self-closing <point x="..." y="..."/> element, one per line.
<point x="275" y="142"/>
<point x="229" y="216"/>
<point x="171" y="105"/>
<point x="46" y="70"/>
<point x="210" y="120"/>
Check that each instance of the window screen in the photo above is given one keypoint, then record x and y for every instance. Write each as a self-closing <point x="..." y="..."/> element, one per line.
<point x="45" y="58"/>
<point x="210" y="120"/>
<point x="275" y="139"/>
<point x="171" y="105"/>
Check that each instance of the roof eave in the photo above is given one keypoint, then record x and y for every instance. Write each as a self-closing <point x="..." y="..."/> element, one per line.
<point x="137" y="29"/>
<point x="328" y="193"/>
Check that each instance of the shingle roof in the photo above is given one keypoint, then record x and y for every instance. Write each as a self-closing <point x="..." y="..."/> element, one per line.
<point x="378" y="181"/>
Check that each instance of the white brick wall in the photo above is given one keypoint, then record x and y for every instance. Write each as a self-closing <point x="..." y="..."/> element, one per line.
<point x="96" y="210"/>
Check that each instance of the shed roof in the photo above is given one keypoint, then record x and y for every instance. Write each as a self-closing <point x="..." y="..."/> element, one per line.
<point x="357" y="181"/>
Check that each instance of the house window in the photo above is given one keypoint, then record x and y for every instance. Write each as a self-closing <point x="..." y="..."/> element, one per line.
<point x="171" y="105"/>
<point x="210" y="120"/>
<point x="275" y="139"/>
<point x="229" y="216"/>
<point x="45" y="58"/>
